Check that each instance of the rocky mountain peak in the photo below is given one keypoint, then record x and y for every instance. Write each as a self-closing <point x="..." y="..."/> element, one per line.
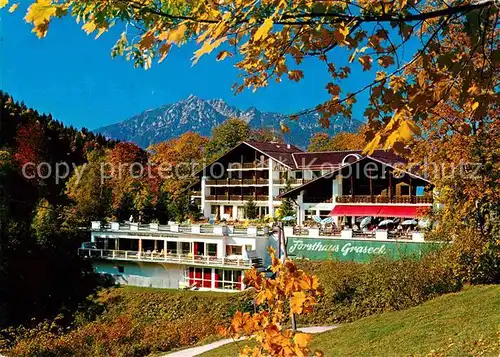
<point x="200" y="115"/>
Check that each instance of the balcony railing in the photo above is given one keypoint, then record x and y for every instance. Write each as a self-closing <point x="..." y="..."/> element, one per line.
<point x="195" y="193"/>
<point x="163" y="257"/>
<point x="238" y="182"/>
<point x="248" y="165"/>
<point x="385" y="199"/>
<point x="380" y="235"/>
<point x="237" y="197"/>
<point x="293" y="181"/>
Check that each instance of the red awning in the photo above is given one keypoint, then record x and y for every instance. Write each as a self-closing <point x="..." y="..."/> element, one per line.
<point x="401" y="211"/>
<point x="409" y="211"/>
<point x="351" y="210"/>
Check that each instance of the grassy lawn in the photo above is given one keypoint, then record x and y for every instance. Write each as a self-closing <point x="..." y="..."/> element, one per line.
<point x="464" y="323"/>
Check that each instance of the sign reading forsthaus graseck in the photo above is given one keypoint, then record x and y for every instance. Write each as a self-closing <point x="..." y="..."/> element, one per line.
<point x="352" y="249"/>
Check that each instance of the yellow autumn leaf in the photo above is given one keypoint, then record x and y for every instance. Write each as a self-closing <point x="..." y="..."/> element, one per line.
<point x="89" y="27"/>
<point x="297" y="302"/>
<point x="13" y="7"/>
<point x="372" y="145"/>
<point x="207" y="48"/>
<point x="391" y="139"/>
<point x="475" y="105"/>
<point x="303" y="339"/>
<point x="40" y="13"/>
<point x="176" y="35"/>
<point x="3" y="3"/>
<point x="408" y="128"/>
<point x="263" y="30"/>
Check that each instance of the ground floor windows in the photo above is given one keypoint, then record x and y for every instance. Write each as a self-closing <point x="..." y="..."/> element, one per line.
<point x="212" y="278"/>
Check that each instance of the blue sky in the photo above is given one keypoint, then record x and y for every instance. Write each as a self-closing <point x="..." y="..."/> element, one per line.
<point x="73" y="76"/>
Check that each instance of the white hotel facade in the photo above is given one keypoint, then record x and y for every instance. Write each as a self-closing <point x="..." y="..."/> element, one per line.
<point x="342" y="184"/>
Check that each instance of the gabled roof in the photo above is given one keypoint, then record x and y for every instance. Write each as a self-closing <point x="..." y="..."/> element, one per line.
<point x="296" y="159"/>
<point x="280" y="152"/>
<point x="333" y="159"/>
<point x="334" y="172"/>
<point x="277" y="151"/>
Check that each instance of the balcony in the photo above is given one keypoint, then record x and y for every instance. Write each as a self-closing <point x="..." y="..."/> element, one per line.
<point x="172" y="229"/>
<point x="293" y="181"/>
<point x="379" y="234"/>
<point x="256" y="165"/>
<point x="385" y="199"/>
<point x="189" y="259"/>
<point x="195" y="193"/>
<point x="238" y="198"/>
<point x="238" y="182"/>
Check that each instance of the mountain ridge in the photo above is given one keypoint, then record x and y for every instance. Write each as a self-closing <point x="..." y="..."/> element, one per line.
<point x="202" y="115"/>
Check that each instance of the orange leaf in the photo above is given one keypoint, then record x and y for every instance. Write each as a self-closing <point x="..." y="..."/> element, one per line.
<point x="366" y="61"/>
<point x="303" y="339"/>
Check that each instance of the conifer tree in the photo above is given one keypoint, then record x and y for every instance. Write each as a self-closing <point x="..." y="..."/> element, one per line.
<point x="250" y="209"/>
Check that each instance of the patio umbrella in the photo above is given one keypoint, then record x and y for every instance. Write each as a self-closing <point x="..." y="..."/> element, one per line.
<point x="385" y="222"/>
<point x="317" y="219"/>
<point x="288" y="218"/>
<point x="366" y="221"/>
<point x="424" y="223"/>
<point x="327" y="220"/>
<point x="409" y="222"/>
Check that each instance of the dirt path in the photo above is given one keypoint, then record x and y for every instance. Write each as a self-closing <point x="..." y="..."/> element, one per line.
<point x="194" y="351"/>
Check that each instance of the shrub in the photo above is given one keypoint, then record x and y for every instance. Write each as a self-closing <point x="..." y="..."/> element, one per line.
<point x="354" y="290"/>
<point x="132" y="322"/>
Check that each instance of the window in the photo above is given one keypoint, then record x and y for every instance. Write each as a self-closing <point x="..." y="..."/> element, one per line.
<point x="213" y="209"/>
<point x="185" y="247"/>
<point x="172" y="247"/>
<point x="405" y="190"/>
<point x="121" y="269"/>
<point x="234" y="250"/>
<point x="420" y="190"/>
<point x="299" y="175"/>
<point x="316" y="174"/>
<point x="224" y="279"/>
<point x="199" y="277"/>
<point x="212" y="249"/>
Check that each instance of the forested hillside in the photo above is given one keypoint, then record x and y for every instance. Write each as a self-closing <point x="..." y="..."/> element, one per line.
<point x="40" y="273"/>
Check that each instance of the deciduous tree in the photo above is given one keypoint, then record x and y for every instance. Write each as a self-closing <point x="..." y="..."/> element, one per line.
<point x="272" y="38"/>
<point x="290" y="291"/>
<point x="226" y="136"/>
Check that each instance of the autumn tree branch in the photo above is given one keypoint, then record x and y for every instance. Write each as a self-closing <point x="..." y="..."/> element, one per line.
<point x="335" y="17"/>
